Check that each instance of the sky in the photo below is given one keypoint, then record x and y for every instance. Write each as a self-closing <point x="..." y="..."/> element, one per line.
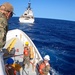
<point x="53" y="9"/>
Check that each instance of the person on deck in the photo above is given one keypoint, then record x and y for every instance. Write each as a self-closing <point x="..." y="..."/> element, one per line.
<point x="44" y="66"/>
<point x="8" y="67"/>
<point x="6" y="12"/>
<point x="26" y="59"/>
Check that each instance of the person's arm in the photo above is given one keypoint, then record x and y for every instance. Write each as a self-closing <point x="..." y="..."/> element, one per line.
<point x="46" y="69"/>
<point x="3" y="31"/>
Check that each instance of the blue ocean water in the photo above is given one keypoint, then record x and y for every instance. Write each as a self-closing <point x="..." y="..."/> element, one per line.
<point x="53" y="37"/>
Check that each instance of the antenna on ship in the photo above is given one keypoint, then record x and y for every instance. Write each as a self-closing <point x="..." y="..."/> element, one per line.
<point x="29" y="4"/>
<point x="29" y="1"/>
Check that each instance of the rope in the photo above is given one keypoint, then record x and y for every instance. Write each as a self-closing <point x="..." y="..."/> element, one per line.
<point x="24" y="71"/>
<point x="10" y="55"/>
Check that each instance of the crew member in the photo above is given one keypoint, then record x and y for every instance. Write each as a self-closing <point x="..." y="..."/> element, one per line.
<point x="26" y="59"/>
<point x="44" y="67"/>
<point x="6" y="12"/>
<point x="8" y="67"/>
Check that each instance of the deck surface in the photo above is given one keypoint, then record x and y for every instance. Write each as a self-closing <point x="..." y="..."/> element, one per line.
<point x="32" y="70"/>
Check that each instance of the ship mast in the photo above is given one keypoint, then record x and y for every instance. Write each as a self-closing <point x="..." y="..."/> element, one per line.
<point x="29" y="5"/>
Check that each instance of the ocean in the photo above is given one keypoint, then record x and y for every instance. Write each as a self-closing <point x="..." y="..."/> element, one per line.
<point x="52" y="37"/>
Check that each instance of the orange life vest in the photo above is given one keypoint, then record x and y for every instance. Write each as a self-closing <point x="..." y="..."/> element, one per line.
<point x="26" y="52"/>
<point x="41" y="67"/>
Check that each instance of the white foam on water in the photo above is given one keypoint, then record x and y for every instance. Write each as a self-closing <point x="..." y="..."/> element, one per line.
<point x="53" y="72"/>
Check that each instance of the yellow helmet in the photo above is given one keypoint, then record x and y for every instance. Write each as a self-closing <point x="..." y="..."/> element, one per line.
<point x="26" y="43"/>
